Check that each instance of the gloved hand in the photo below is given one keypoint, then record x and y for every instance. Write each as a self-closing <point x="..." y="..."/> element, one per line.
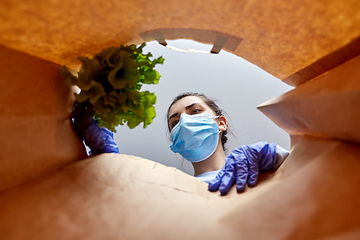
<point x="99" y="140"/>
<point x="82" y="116"/>
<point x="243" y="166"/>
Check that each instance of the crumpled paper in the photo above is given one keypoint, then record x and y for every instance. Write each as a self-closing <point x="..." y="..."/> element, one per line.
<point x="35" y="125"/>
<point x="50" y="190"/>
<point x="294" y="41"/>
<point x="313" y="195"/>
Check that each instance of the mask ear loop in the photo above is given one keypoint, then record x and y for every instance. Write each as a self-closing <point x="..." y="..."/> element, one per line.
<point x="219" y="129"/>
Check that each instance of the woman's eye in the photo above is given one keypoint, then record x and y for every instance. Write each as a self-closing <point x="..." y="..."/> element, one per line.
<point x="174" y="123"/>
<point x="196" y="111"/>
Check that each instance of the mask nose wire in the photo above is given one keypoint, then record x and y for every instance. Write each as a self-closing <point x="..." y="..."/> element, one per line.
<point x="192" y="115"/>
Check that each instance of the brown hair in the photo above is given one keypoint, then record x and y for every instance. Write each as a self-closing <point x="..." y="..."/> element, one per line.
<point x="211" y="104"/>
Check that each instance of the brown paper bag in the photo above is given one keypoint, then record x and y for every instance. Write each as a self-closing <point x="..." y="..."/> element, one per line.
<point x="295" y="41"/>
<point x="314" y="195"/>
<point x="35" y="126"/>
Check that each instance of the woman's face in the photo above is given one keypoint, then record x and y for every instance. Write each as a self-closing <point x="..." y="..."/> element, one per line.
<point x="190" y="105"/>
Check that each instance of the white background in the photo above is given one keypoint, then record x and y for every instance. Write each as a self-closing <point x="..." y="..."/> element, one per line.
<point x="237" y="85"/>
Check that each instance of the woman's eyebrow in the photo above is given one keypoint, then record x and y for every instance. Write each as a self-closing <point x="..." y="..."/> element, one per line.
<point x="190" y="106"/>
<point x="173" y="115"/>
<point x="186" y="108"/>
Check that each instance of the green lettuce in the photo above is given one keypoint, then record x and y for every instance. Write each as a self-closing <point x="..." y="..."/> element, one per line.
<point x="111" y="81"/>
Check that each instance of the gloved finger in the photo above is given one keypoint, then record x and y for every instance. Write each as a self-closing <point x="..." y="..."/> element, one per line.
<point x="88" y="116"/>
<point x="215" y="183"/>
<point x="253" y="173"/>
<point x="228" y="179"/>
<point x="79" y="110"/>
<point x="83" y="116"/>
<point x="100" y="140"/>
<point x="241" y="174"/>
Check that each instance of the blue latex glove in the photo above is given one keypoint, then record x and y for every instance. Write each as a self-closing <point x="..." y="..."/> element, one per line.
<point x="243" y="166"/>
<point x="99" y="140"/>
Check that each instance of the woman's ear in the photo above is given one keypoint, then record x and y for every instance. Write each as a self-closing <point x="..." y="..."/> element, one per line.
<point x="222" y="123"/>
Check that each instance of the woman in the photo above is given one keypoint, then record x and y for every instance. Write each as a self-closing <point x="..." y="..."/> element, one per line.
<point x="198" y="132"/>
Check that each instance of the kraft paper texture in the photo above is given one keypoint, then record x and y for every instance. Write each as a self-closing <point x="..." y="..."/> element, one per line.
<point x="293" y="40"/>
<point x="326" y="107"/>
<point x="314" y="195"/>
<point x="35" y="127"/>
<point x="50" y="189"/>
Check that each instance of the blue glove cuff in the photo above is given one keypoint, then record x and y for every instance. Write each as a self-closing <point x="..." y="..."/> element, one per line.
<point x="263" y="153"/>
